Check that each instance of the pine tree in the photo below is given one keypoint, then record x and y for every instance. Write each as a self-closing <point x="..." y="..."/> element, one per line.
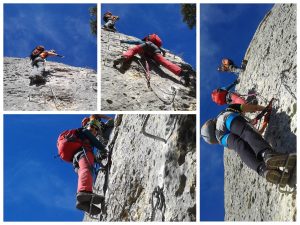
<point x="93" y="20"/>
<point x="188" y="12"/>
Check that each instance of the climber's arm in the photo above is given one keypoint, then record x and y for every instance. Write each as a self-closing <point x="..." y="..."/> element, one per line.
<point x="100" y="116"/>
<point x="132" y="42"/>
<point x="251" y="108"/>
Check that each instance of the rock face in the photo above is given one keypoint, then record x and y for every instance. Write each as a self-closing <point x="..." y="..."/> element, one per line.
<point x="271" y="71"/>
<point x="153" y="171"/>
<point x="128" y="91"/>
<point x="67" y="88"/>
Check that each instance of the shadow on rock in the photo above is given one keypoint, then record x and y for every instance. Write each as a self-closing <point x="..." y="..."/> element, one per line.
<point x="279" y="133"/>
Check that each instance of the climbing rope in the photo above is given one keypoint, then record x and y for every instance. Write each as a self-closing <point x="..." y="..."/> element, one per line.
<point x="147" y="76"/>
<point x="106" y="170"/>
<point x="160" y="203"/>
<point x="151" y="135"/>
<point x="172" y="94"/>
<point x="147" y="71"/>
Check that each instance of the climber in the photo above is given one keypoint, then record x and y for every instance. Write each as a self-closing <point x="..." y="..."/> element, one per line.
<point x="77" y="146"/>
<point x="233" y="131"/>
<point x="228" y="65"/>
<point x="38" y="59"/>
<point x="223" y="95"/>
<point x="150" y="46"/>
<point x="110" y="21"/>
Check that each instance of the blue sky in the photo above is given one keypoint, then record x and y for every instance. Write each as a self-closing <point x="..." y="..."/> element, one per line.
<point x="38" y="187"/>
<point x="139" y="20"/>
<point x="225" y="31"/>
<point x="63" y="27"/>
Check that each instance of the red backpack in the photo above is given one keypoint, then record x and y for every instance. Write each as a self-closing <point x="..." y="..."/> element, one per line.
<point x="219" y="96"/>
<point x="37" y="51"/>
<point x="155" y="39"/>
<point x="68" y="144"/>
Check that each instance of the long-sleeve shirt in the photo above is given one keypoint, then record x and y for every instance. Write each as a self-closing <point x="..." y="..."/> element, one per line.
<point x="85" y="133"/>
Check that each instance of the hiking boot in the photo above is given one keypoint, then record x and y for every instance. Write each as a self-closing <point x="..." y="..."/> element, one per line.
<point x="274" y="160"/>
<point x="84" y="196"/>
<point x="118" y="61"/>
<point x="287" y="161"/>
<point x="184" y="78"/>
<point x="277" y="177"/>
<point x="87" y="207"/>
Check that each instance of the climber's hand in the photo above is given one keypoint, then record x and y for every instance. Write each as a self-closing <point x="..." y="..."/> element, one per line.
<point x="100" y="156"/>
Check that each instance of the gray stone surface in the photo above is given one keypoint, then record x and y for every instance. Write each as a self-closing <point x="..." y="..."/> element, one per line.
<point x="140" y="163"/>
<point x="129" y="91"/>
<point x="271" y="71"/>
<point x="68" y="87"/>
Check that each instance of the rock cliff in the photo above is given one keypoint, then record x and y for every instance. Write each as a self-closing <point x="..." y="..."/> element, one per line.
<point x="271" y="72"/>
<point x="153" y="171"/>
<point x="128" y="91"/>
<point x="67" y="87"/>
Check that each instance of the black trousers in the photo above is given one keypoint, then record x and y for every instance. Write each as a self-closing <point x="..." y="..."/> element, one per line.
<point x="247" y="143"/>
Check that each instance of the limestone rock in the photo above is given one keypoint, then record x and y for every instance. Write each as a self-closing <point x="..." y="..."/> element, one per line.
<point x="153" y="171"/>
<point x="67" y="88"/>
<point x="271" y="72"/>
<point x="128" y="91"/>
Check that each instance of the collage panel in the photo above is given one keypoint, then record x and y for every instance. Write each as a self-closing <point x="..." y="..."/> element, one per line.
<point x="50" y="57"/>
<point x="148" y="57"/>
<point x="143" y="165"/>
<point x="248" y="110"/>
<point x="99" y="167"/>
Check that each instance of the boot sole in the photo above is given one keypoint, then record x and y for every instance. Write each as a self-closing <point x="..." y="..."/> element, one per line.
<point x="86" y="207"/>
<point x="275" y="177"/>
<point x="281" y="161"/>
<point x="97" y="199"/>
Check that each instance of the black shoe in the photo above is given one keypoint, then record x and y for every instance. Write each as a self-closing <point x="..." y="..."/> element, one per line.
<point x="119" y="61"/>
<point x="184" y="78"/>
<point x="87" y="207"/>
<point x="89" y="196"/>
<point x="274" y="160"/>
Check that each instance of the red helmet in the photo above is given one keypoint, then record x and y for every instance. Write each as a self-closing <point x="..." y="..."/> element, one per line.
<point x="219" y="96"/>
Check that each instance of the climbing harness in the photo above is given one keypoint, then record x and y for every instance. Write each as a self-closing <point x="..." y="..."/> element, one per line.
<point x="160" y="203"/>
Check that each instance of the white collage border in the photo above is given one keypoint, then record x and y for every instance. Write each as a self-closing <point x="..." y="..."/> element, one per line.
<point x="197" y="112"/>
